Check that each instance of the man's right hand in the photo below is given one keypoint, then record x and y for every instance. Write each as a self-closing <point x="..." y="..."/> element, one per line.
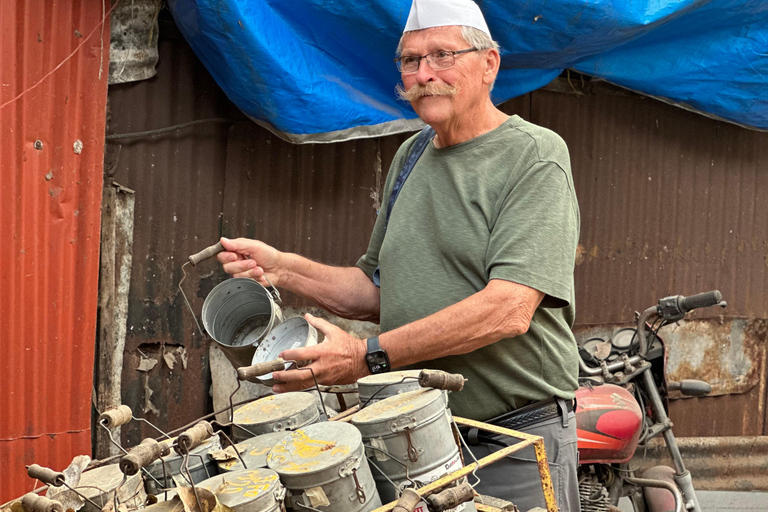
<point x="244" y="257"/>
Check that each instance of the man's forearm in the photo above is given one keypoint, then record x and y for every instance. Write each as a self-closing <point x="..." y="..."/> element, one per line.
<point x="344" y="291"/>
<point x="501" y="310"/>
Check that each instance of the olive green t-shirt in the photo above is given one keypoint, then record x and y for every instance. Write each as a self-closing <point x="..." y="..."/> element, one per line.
<point x="499" y="206"/>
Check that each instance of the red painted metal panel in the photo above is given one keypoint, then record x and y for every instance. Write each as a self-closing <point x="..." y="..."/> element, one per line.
<point x="53" y="85"/>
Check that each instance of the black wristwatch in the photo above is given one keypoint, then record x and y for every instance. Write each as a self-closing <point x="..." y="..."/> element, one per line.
<point x="376" y="357"/>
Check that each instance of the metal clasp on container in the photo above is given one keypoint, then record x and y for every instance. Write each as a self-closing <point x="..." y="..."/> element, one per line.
<point x="413" y="453"/>
<point x="349" y="467"/>
<point x="358" y="488"/>
<point x="402" y="423"/>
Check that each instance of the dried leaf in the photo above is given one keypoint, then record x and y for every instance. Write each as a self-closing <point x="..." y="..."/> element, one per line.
<point x="146" y="364"/>
<point x="207" y="500"/>
<point x="69" y="499"/>
<point x="227" y="454"/>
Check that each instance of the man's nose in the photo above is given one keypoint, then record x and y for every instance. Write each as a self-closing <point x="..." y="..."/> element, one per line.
<point x="425" y="73"/>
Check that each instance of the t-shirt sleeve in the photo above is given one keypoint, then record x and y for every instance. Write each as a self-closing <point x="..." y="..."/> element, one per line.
<point x="369" y="261"/>
<point x="534" y="237"/>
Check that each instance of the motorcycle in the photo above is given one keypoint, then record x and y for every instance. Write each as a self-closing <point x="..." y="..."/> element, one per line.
<point x="620" y="405"/>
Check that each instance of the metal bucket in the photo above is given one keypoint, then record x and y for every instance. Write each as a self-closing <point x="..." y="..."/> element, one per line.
<point x="237" y="314"/>
<point x="248" y="490"/>
<point x="323" y="466"/>
<point x="375" y="388"/>
<point x="286" y="411"/>
<point x="201" y="467"/>
<point x="253" y="451"/>
<point x="292" y="333"/>
<point x="412" y="429"/>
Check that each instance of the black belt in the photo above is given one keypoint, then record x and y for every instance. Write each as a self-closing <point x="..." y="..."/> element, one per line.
<point x="520" y="419"/>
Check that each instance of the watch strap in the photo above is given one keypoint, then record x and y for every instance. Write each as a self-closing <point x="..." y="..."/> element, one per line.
<point x="373" y="344"/>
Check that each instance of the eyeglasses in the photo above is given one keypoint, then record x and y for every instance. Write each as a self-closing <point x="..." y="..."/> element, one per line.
<point x="437" y="60"/>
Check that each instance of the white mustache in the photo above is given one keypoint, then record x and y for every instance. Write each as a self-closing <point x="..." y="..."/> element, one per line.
<point x="429" y="89"/>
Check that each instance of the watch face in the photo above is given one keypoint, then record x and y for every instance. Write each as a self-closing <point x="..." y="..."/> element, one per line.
<point x="378" y="362"/>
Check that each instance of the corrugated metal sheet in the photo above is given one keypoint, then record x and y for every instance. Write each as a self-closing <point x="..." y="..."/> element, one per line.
<point x="315" y="200"/>
<point x="178" y="180"/>
<point x="52" y="139"/>
<point x="670" y="204"/>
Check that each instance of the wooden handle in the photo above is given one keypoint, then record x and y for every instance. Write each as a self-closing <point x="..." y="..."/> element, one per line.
<point x="451" y="498"/>
<point x="193" y="437"/>
<point x="45" y="475"/>
<point x="206" y="253"/>
<point x="441" y="380"/>
<point x="251" y="373"/>
<point x="31" y="502"/>
<point x="112" y="418"/>
<point x="147" y="452"/>
<point x="408" y="501"/>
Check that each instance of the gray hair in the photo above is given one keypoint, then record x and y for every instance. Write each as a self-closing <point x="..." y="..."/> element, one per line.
<point x="475" y="38"/>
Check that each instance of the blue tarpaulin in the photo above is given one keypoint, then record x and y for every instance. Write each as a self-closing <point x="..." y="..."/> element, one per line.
<point x="322" y="70"/>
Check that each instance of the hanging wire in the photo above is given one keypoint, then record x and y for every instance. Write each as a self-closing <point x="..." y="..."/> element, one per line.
<point x="382" y="388"/>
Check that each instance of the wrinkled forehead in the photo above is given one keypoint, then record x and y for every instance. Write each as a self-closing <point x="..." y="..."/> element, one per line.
<point x="431" y="39"/>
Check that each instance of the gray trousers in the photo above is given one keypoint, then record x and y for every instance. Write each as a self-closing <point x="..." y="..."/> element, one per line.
<point x="516" y="478"/>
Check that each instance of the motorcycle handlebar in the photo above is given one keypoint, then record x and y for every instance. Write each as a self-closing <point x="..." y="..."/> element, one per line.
<point x="701" y="300"/>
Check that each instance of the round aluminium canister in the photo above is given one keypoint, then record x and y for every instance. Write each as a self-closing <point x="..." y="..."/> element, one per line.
<point x="275" y="413"/>
<point x="248" y="490"/>
<point x="292" y="333"/>
<point x="237" y="314"/>
<point x="254" y="452"/>
<point x="375" y="388"/>
<point x="323" y="466"/>
<point x="201" y="467"/>
<point x="413" y="428"/>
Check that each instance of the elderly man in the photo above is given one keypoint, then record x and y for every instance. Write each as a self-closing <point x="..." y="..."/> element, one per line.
<point x="470" y="264"/>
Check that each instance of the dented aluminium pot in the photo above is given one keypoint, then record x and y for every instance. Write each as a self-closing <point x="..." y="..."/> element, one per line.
<point x="237" y="314"/>
<point x="375" y="388"/>
<point x="253" y="452"/>
<point x="412" y="430"/>
<point x="292" y="333"/>
<point x="323" y="466"/>
<point x="248" y="490"/>
<point x="275" y="413"/>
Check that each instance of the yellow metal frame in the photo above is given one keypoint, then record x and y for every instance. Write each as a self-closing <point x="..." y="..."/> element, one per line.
<point x="527" y="440"/>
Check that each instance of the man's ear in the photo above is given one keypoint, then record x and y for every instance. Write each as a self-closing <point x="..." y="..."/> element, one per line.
<point x="492" y="64"/>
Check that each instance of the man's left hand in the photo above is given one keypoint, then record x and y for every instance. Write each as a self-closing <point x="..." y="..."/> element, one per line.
<point x="340" y="359"/>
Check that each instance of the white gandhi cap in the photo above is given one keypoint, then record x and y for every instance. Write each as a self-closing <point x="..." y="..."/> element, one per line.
<point x="442" y="13"/>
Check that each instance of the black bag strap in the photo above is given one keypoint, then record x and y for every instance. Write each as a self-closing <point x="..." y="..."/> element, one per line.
<point x="416" y="151"/>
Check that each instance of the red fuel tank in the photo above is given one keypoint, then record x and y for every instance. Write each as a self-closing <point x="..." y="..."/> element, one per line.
<point x="608" y="422"/>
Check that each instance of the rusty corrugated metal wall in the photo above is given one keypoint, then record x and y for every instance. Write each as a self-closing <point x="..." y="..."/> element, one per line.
<point x="52" y="111"/>
<point x="670" y="203"/>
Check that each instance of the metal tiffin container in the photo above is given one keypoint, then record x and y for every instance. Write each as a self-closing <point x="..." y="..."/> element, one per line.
<point x="412" y="430"/>
<point x="375" y="388"/>
<point x="248" y="490"/>
<point x="237" y="314"/>
<point x="323" y="466"/>
<point x="253" y="452"/>
<point x="292" y="333"/>
<point x="286" y="411"/>
<point x="168" y="470"/>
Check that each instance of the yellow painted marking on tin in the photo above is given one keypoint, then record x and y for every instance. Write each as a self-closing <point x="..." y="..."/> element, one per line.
<point x="253" y="453"/>
<point x="301" y="446"/>
<point x="250" y="484"/>
<point x="400" y="403"/>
